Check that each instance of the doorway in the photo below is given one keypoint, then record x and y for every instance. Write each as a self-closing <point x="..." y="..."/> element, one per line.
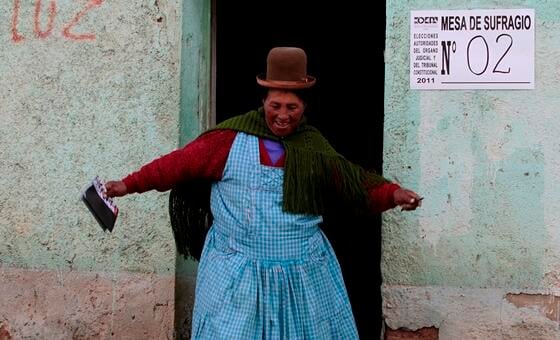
<point x="350" y="116"/>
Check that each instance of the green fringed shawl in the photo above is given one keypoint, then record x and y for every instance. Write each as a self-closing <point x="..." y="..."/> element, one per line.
<point x="316" y="178"/>
<point x="314" y="173"/>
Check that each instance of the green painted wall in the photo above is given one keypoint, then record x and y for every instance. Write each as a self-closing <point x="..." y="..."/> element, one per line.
<point x="195" y="69"/>
<point x="89" y="87"/>
<point x="73" y="109"/>
<point x="487" y="163"/>
<point x="195" y="117"/>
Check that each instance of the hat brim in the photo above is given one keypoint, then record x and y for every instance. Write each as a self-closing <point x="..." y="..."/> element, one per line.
<point x="286" y="84"/>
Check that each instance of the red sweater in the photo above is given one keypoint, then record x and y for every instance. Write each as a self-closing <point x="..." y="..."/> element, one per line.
<point x="206" y="157"/>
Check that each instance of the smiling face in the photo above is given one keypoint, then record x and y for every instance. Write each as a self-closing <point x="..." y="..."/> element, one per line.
<point x="283" y="111"/>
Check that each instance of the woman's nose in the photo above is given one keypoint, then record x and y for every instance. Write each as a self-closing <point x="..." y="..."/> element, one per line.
<point x="283" y="113"/>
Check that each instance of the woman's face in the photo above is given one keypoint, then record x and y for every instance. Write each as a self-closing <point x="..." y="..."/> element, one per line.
<point x="283" y="111"/>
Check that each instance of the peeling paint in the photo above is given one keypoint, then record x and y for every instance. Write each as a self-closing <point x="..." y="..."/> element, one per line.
<point x="85" y="305"/>
<point x="4" y="332"/>
<point x="547" y="305"/>
<point x="466" y="313"/>
<point x="425" y="333"/>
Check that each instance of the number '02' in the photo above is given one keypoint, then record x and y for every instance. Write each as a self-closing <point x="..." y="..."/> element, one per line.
<point x="495" y="70"/>
<point x="45" y="32"/>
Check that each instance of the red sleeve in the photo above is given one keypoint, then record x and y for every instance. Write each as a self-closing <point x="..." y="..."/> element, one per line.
<point x="203" y="158"/>
<point x="381" y="196"/>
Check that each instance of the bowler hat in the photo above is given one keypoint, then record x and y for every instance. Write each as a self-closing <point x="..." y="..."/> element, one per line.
<point x="286" y="68"/>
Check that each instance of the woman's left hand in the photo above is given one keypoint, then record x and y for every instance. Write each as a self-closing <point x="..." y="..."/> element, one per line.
<point x="407" y="199"/>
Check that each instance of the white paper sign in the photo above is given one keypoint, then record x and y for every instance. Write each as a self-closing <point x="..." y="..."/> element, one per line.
<point x="472" y="49"/>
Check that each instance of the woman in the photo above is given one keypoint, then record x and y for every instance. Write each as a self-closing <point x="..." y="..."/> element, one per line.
<point x="267" y="271"/>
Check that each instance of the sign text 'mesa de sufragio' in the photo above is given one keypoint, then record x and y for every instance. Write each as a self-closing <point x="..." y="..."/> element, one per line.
<point x="472" y="49"/>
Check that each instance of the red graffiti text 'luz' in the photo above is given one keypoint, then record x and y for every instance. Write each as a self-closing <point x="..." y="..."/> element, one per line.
<point x="45" y="32"/>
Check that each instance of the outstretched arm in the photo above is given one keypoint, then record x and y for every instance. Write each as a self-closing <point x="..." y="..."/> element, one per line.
<point x="204" y="158"/>
<point x="389" y="195"/>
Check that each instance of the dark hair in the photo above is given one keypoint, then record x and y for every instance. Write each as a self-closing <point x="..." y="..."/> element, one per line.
<point x="303" y="94"/>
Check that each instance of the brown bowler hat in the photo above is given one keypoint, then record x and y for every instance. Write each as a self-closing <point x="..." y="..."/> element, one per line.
<point x="286" y="68"/>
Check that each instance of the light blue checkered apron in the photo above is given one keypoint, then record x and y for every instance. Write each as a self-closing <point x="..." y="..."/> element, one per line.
<point x="265" y="273"/>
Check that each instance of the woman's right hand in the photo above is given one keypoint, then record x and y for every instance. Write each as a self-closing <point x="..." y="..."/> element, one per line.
<point x="115" y="188"/>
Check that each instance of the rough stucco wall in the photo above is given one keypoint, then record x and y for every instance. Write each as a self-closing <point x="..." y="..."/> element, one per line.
<point x="487" y="162"/>
<point x="98" y="93"/>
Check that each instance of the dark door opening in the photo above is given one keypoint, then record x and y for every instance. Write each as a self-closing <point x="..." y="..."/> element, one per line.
<point x="344" y="47"/>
